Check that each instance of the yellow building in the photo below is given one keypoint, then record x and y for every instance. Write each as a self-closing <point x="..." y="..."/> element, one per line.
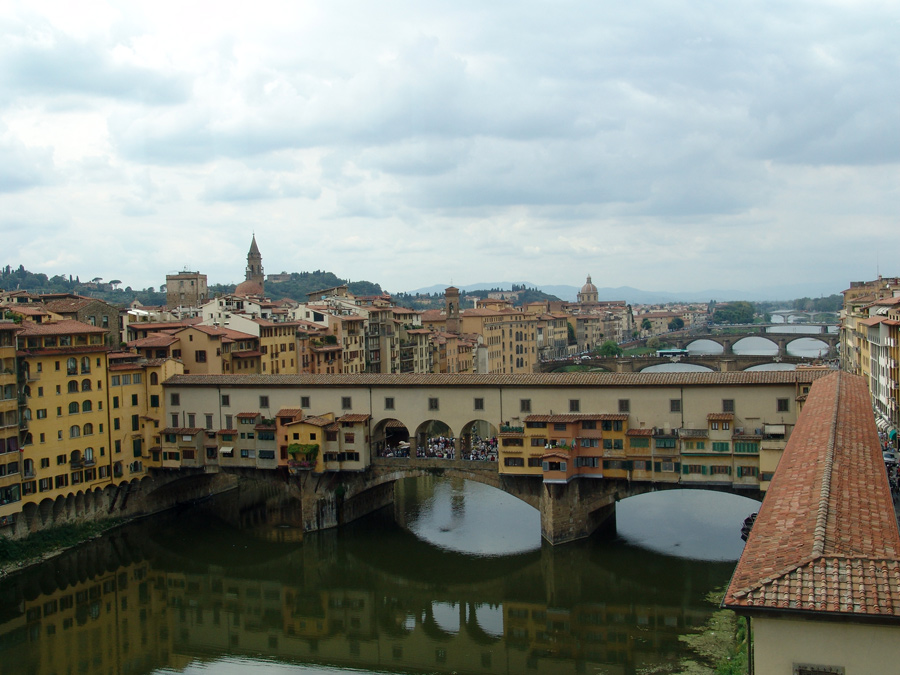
<point x="10" y="467"/>
<point x="65" y="418"/>
<point x="137" y="410"/>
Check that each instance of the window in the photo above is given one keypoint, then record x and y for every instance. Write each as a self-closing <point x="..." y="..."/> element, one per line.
<point x="587" y="462"/>
<point x="42" y="413"/>
<point x="228" y="421"/>
<point x="525" y="405"/>
<point x="588" y="424"/>
<point x="134" y="399"/>
<point x="720" y="470"/>
<point x="346" y="402"/>
<point x="782" y="405"/>
<point x="747" y="471"/>
<point x="73" y="408"/>
<point x="714" y="426"/>
<point x="639" y="442"/>
<point x="389" y="403"/>
<point x="226" y="400"/>
<point x="72" y="386"/>
<point x="675" y="405"/>
<point x="263" y="401"/>
<point x="154" y="400"/>
<point x="209" y="421"/>
<point x="136" y="378"/>
<point x="191" y="420"/>
<point x="538" y="442"/>
<point x="174" y="421"/>
<point x="116" y="422"/>
<point x="115" y="401"/>
<point x="88" y="429"/>
<point x="574" y="405"/>
<point x="175" y="399"/>
<point x="728" y="405"/>
<point x="433" y="404"/>
<point x="719" y="446"/>
<point x="624" y="405"/>
<point x="304" y="401"/>
<point x="514" y="461"/>
<point x="559" y="426"/>
<point x="200" y="356"/>
<point x="479" y="404"/>
<point x="726" y="426"/>
<point x="154" y="379"/>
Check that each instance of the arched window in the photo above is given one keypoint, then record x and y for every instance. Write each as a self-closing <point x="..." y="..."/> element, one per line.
<point x="26" y="414"/>
<point x="73" y="407"/>
<point x="75" y="456"/>
<point x="87" y="406"/>
<point x="85" y="364"/>
<point x="71" y="365"/>
<point x="154" y="379"/>
<point x="74" y="431"/>
<point x="26" y="390"/>
<point x="88" y="430"/>
<point x="28" y="468"/>
<point x="85" y="385"/>
<point x="73" y="386"/>
<point x="28" y="440"/>
<point x="88" y="455"/>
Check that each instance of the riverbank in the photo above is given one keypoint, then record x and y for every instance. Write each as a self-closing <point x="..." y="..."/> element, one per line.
<point x="720" y="647"/>
<point x="19" y="554"/>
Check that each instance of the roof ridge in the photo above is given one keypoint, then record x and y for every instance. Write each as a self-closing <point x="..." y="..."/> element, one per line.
<point x="828" y="471"/>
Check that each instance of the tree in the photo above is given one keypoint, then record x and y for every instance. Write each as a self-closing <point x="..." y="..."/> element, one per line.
<point x="676" y="324"/>
<point x="646" y="325"/>
<point x="653" y="343"/>
<point x="571" y="333"/>
<point x="115" y="282"/>
<point x="609" y="348"/>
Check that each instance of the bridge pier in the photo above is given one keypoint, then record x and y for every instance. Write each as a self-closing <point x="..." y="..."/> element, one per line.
<point x="575" y="510"/>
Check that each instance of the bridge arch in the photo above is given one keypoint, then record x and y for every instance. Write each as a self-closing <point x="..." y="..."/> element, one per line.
<point x="479" y="436"/>
<point x="705" y="345"/>
<point x="434" y="437"/>
<point x="744" y="345"/>
<point x="389" y="437"/>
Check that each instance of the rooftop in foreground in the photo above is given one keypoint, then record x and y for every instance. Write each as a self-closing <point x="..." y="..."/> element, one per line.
<point x="826" y="540"/>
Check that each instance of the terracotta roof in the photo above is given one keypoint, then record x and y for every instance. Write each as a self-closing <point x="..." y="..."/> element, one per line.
<point x="247" y="415"/>
<point x="720" y="417"/>
<point x="354" y="418"/>
<point x="182" y="431"/>
<point x="394" y="424"/>
<point x="599" y="379"/>
<point x="221" y="432"/>
<point x="289" y="412"/>
<point x="639" y="432"/>
<point x="64" y="327"/>
<point x="317" y="421"/>
<point x="826" y="538"/>
<point x="156" y="340"/>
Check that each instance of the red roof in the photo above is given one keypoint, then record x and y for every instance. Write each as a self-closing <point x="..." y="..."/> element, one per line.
<point x="826" y="538"/>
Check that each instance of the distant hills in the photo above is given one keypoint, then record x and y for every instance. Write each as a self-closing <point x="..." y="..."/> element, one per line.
<point x="636" y="296"/>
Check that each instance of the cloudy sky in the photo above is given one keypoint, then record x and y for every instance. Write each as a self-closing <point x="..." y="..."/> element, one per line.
<point x="665" y="145"/>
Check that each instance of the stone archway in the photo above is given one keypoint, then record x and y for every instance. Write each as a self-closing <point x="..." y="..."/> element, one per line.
<point x="479" y="438"/>
<point x="390" y="438"/>
<point x="435" y="438"/>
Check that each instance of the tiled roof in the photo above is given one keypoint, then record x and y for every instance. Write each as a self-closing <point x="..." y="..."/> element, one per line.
<point x="826" y="538"/>
<point x="673" y="379"/>
<point x="720" y="417"/>
<point x="354" y="418"/>
<point x="65" y="327"/>
<point x="289" y="412"/>
<point x="182" y="431"/>
<point x="317" y="421"/>
<point x="247" y="415"/>
<point x="639" y="432"/>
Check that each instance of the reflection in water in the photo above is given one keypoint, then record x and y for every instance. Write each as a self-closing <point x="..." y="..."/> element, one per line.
<point x="191" y="592"/>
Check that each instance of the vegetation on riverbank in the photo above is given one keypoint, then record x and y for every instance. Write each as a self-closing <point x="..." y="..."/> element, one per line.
<point x="720" y="647"/>
<point x="41" y="545"/>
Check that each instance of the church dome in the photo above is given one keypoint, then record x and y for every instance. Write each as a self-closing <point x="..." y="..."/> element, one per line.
<point x="248" y="288"/>
<point x="588" y="287"/>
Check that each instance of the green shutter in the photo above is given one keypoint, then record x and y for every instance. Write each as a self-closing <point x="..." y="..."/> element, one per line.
<point x="657" y="466"/>
<point x="739" y="472"/>
<point x="684" y="469"/>
<point x="677" y="467"/>
<point x="704" y="469"/>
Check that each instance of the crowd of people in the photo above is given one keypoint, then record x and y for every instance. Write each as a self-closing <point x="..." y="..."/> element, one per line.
<point x="891" y="464"/>
<point x="444" y="447"/>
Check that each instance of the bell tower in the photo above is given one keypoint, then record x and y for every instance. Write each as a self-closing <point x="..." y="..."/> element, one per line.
<point x="254" y="264"/>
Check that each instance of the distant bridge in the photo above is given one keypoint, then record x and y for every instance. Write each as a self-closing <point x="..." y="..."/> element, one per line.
<point x="634" y="364"/>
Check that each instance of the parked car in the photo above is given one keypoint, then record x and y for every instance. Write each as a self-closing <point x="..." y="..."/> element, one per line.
<point x="890" y="457"/>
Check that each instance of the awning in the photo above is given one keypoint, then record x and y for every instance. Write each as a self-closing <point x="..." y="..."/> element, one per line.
<point x="893" y="434"/>
<point x="226" y="449"/>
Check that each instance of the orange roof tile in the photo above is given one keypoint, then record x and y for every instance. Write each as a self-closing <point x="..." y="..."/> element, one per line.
<point x="826" y="538"/>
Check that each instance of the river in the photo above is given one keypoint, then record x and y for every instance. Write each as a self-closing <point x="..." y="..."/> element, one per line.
<point x="453" y="579"/>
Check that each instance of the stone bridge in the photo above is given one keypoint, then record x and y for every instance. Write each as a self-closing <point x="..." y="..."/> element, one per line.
<point x="634" y="364"/>
<point x="568" y="511"/>
<point x="728" y="340"/>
